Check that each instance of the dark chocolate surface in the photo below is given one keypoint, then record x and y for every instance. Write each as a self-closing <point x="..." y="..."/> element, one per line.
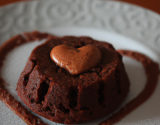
<point x="55" y="94"/>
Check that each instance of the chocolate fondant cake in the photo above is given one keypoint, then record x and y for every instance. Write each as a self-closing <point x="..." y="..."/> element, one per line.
<point x="54" y="93"/>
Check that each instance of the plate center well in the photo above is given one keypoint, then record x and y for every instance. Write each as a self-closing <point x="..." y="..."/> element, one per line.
<point x="16" y="59"/>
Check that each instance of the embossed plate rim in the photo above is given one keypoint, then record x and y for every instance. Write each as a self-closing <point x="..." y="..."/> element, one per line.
<point x="144" y="10"/>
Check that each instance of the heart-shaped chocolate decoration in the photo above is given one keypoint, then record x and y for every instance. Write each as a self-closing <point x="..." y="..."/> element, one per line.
<point x="74" y="60"/>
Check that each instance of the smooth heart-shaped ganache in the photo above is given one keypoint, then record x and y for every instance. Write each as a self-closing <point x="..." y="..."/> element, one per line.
<point x="78" y="60"/>
<point x="56" y="93"/>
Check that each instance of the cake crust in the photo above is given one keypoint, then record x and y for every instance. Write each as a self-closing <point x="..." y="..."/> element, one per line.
<point x="55" y="94"/>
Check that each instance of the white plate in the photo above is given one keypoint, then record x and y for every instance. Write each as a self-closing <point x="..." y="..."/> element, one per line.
<point x="125" y="26"/>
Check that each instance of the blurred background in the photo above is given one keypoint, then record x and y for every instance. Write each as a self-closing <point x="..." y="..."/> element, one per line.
<point x="153" y="5"/>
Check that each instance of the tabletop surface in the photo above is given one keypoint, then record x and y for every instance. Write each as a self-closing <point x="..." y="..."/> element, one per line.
<point x="153" y="5"/>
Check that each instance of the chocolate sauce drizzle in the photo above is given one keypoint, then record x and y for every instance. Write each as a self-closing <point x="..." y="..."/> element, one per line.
<point x="151" y="69"/>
